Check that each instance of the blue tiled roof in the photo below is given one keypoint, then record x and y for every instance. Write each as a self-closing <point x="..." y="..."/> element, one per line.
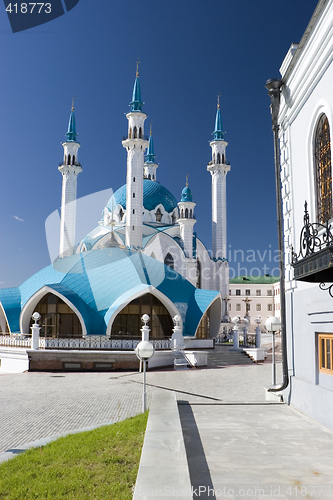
<point x="97" y="282"/>
<point x="153" y="195"/>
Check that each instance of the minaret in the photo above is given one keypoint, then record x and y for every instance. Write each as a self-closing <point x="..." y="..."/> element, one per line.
<point x="186" y="222"/>
<point x="219" y="167"/>
<point x="70" y="169"/>
<point x="150" y="166"/>
<point x="135" y="145"/>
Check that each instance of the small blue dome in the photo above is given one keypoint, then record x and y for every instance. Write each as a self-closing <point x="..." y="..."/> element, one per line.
<point x="186" y="194"/>
<point x="153" y="195"/>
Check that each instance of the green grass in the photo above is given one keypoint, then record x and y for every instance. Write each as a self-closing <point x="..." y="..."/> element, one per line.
<point x="96" y="465"/>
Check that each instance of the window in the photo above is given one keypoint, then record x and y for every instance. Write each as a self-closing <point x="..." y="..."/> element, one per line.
<point x="269" y="307"/>
<point x="58" y="320"/>
<point x="258" y="293"/>
<point x="238" y="292"/>
<point x="133" y="195"/>
<point x="269" y="292"/>
<point x="229" y="307"/>
<point x="323" y="171"/>
<point x="158" y="215"/>
<point x="325" y="353"/>
<point x="198" y="275"/>
<point x="168" y="261"/>
<point x="247" y="292"/>
<point x="133" y="211"/>
<point x="238" y="307"/>
<point x="127" y="323"/>
<point x="218" y="158"/>
<point x="229" y="292"/>
<point x="258" y="307"/>
<point x="133" y="179"/>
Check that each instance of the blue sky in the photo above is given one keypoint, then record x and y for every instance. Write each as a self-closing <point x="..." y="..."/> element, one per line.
<point x="190" y="50"/>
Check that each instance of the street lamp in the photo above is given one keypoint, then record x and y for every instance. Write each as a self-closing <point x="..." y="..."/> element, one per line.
<point x="258" y="331"/>
<point x="144" y="351"/>
<point x="35" y="328"/>
<point x="273" y="324"/>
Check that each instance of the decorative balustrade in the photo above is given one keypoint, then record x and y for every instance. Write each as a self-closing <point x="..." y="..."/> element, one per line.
<point x="93" y="342"/>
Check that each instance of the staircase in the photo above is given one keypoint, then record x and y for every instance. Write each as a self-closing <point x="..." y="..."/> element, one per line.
<point x="224" y="355"/>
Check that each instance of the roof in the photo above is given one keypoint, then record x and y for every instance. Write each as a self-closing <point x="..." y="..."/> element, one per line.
<point x="99" y="282"/>
<point x="254" y="280"/>
<point x="186" y="194"/>
<point x="153" y="195"/>
<point x="306" y="35"/>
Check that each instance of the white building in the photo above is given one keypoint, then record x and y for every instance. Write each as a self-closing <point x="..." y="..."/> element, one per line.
<point x="255" y="297"/>
<point x="306" y="127"/>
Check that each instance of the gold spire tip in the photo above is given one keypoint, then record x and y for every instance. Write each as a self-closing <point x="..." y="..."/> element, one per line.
<point x="73" y="103"/>
<point x="137" y="67"/>
<point x="218" y="100"/>
<point x="187" y="176"/>
<point x="151" y="128"/>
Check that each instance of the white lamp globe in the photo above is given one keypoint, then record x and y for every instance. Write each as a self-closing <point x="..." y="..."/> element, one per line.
<point x="273" y="324"/>
<point x="235" y="320"/>
<point x="144" y="350"/>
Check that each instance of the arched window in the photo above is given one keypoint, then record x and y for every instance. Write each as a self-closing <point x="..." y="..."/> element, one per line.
<point x="135" y="132"/>
<point x="140" y="132"/>
<point x="191" y="213"/>
<point x="222" y="158"/>
<point x="198" y="280"/>
<point x="182" y="214"/>
<point x="186" y="213"/>
<point x="69" y="160"/>
<point x="218" y="158"/>
<point x="58" y="320"/>
<point x="323" y="170"/>
<point x="121" y="214"/>
<point x="128" y="322"/>
<point x="149" y="177"/>
<point x="130" y="133"/>
<point x="158" y="215"/>
<point x="168" y="261"/>
<point x="73" y="162"/>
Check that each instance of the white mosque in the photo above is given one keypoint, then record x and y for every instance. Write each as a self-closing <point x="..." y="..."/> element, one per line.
<point x="142" y="257"/>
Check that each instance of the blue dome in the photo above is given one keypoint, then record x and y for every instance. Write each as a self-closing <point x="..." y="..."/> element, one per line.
<point x="186" y="194"/>
<point x="153" y="195"/>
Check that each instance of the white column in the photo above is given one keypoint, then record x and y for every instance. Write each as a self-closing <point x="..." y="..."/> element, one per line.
<point x="68" y="208"/>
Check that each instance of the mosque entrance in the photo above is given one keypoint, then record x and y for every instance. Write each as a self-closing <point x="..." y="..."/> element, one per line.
<point x="58" y="320"/>
<point x="127" y="323"/>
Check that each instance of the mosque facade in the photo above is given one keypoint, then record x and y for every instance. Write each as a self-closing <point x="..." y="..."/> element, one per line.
<point x="142" y="257"/>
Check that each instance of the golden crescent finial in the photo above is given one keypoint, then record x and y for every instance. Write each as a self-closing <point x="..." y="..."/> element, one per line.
<point x="73" y="103"/>
<point x="137" y="67"/>
<point x="151" y="128"/>
<point x="218" y="100"/>
<point x="187" y="176"/>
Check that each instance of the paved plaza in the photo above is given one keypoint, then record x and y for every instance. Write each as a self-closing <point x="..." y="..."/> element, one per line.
<point x="238" y="445"/>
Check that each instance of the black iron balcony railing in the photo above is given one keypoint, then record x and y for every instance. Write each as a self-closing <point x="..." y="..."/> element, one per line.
<point x="314" y="262"/>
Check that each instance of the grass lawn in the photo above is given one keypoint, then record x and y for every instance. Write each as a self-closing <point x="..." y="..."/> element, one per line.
<point x="99" y="465"/>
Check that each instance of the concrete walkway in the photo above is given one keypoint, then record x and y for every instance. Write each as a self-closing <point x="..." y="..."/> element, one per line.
<point x="237" y="445"/>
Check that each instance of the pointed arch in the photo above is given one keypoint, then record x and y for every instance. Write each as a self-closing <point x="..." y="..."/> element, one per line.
<point x="73" y="162"/>
<point x="186" y="213"/>
<point x="149" y="176"/>
<point x="323" y="169"/>
<point x="30" y="307"/>
<point x="135" y="133"/>
<point x="140" y="133"/>
<point x="218" y="159"/>
<point x="158" y="215"/>
<point x="169" y="260"/>
<point x="69" y="160"/>
<point x="191" y="213"/>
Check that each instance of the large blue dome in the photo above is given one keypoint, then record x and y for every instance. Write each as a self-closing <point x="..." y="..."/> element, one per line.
<point x="153" y="195"/>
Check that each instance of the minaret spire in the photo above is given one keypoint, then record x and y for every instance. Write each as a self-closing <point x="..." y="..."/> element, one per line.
<point x="135" y="145"/>
<point x="70" y="169"/>
<point x="219" y="167"/>
<point x="150" y="165"/>
<point x="186" y="222"/>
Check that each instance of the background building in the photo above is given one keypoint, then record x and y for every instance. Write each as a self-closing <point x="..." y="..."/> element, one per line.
<point x="257" y="296"/>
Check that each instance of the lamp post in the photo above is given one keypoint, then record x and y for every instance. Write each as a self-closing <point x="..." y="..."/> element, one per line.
<point x="246" y="323"/>
<point x="273" y="324"/>
<point x="144" y="351"/>
<point x="226" y="314"/>
<point x="35" y="328"/>
<point x="258" y="331"/>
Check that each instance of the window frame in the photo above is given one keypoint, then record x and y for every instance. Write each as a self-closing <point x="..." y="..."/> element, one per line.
<point x="325" y="337"/>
